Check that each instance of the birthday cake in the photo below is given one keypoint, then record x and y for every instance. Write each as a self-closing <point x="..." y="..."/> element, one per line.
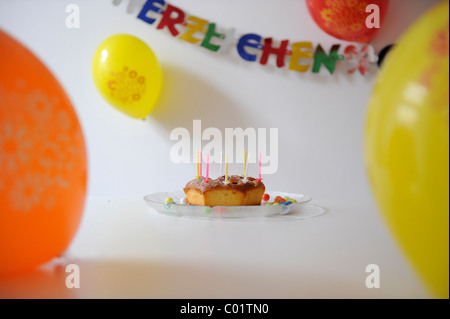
<point x="233" y="191"/>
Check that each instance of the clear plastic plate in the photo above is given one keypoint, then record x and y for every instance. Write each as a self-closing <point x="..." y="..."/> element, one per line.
<point x="156" y="201"/>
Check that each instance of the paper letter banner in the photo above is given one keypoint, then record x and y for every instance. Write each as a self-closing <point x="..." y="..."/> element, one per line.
<point x="299" y="56"/>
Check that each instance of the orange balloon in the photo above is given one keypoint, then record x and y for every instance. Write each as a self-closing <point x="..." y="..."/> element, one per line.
<point x="346" y="19"/>
<point x="43" y="168"/>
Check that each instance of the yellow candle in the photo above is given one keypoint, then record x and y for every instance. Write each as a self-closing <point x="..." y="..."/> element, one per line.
<point x="198" y="166"/>
<point x="226" y="168"/>
<point x="245" y="173"/>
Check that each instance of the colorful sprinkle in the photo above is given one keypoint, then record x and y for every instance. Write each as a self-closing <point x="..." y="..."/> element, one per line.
<point x="279" y="199"/>
<point x="168" y="200"/>
<point x="220" y="209"/>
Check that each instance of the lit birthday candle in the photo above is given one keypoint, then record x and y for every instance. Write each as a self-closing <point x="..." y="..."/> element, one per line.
<point x="198" y="166"/>
<point x="207" y="168"/>
<point x="259" y="168"/>
<point x="226" y="168"/>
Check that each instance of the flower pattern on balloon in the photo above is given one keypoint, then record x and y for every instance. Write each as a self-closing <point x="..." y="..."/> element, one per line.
<point x="39" y="106"/>
<point x="26" y="192"/>
<point x="435" y="76"/>
<point x="344" y="15"/>
<point x="35" y="145"/>
<point x="126" y="86"/>
<point x="15" y="146"/>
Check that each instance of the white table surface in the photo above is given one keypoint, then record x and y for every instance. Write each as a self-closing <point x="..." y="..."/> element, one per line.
<point x="125" y="249"/>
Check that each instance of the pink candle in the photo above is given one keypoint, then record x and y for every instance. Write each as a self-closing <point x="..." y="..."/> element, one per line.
<point x="207" y="168"/>
<point x="259" y="168"/>
<point x="201" y="163"/>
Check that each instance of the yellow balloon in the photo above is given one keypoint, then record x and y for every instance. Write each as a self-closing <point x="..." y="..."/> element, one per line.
<point x="127" y="74"/>
<point x="407" y="146"/>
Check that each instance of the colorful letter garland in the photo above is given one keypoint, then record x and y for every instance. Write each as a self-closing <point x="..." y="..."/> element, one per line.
<point x="252" y="47"/>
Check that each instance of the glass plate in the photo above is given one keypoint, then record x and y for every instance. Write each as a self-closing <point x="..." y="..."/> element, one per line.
<point x="156" y="201"/>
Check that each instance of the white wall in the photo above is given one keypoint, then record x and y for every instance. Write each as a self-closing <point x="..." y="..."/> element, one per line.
<point x="320" y="117"/>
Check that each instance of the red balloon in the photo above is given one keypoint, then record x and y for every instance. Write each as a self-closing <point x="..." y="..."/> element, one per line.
<point x="43" y="169"/>
<point x="346" y="19"/>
